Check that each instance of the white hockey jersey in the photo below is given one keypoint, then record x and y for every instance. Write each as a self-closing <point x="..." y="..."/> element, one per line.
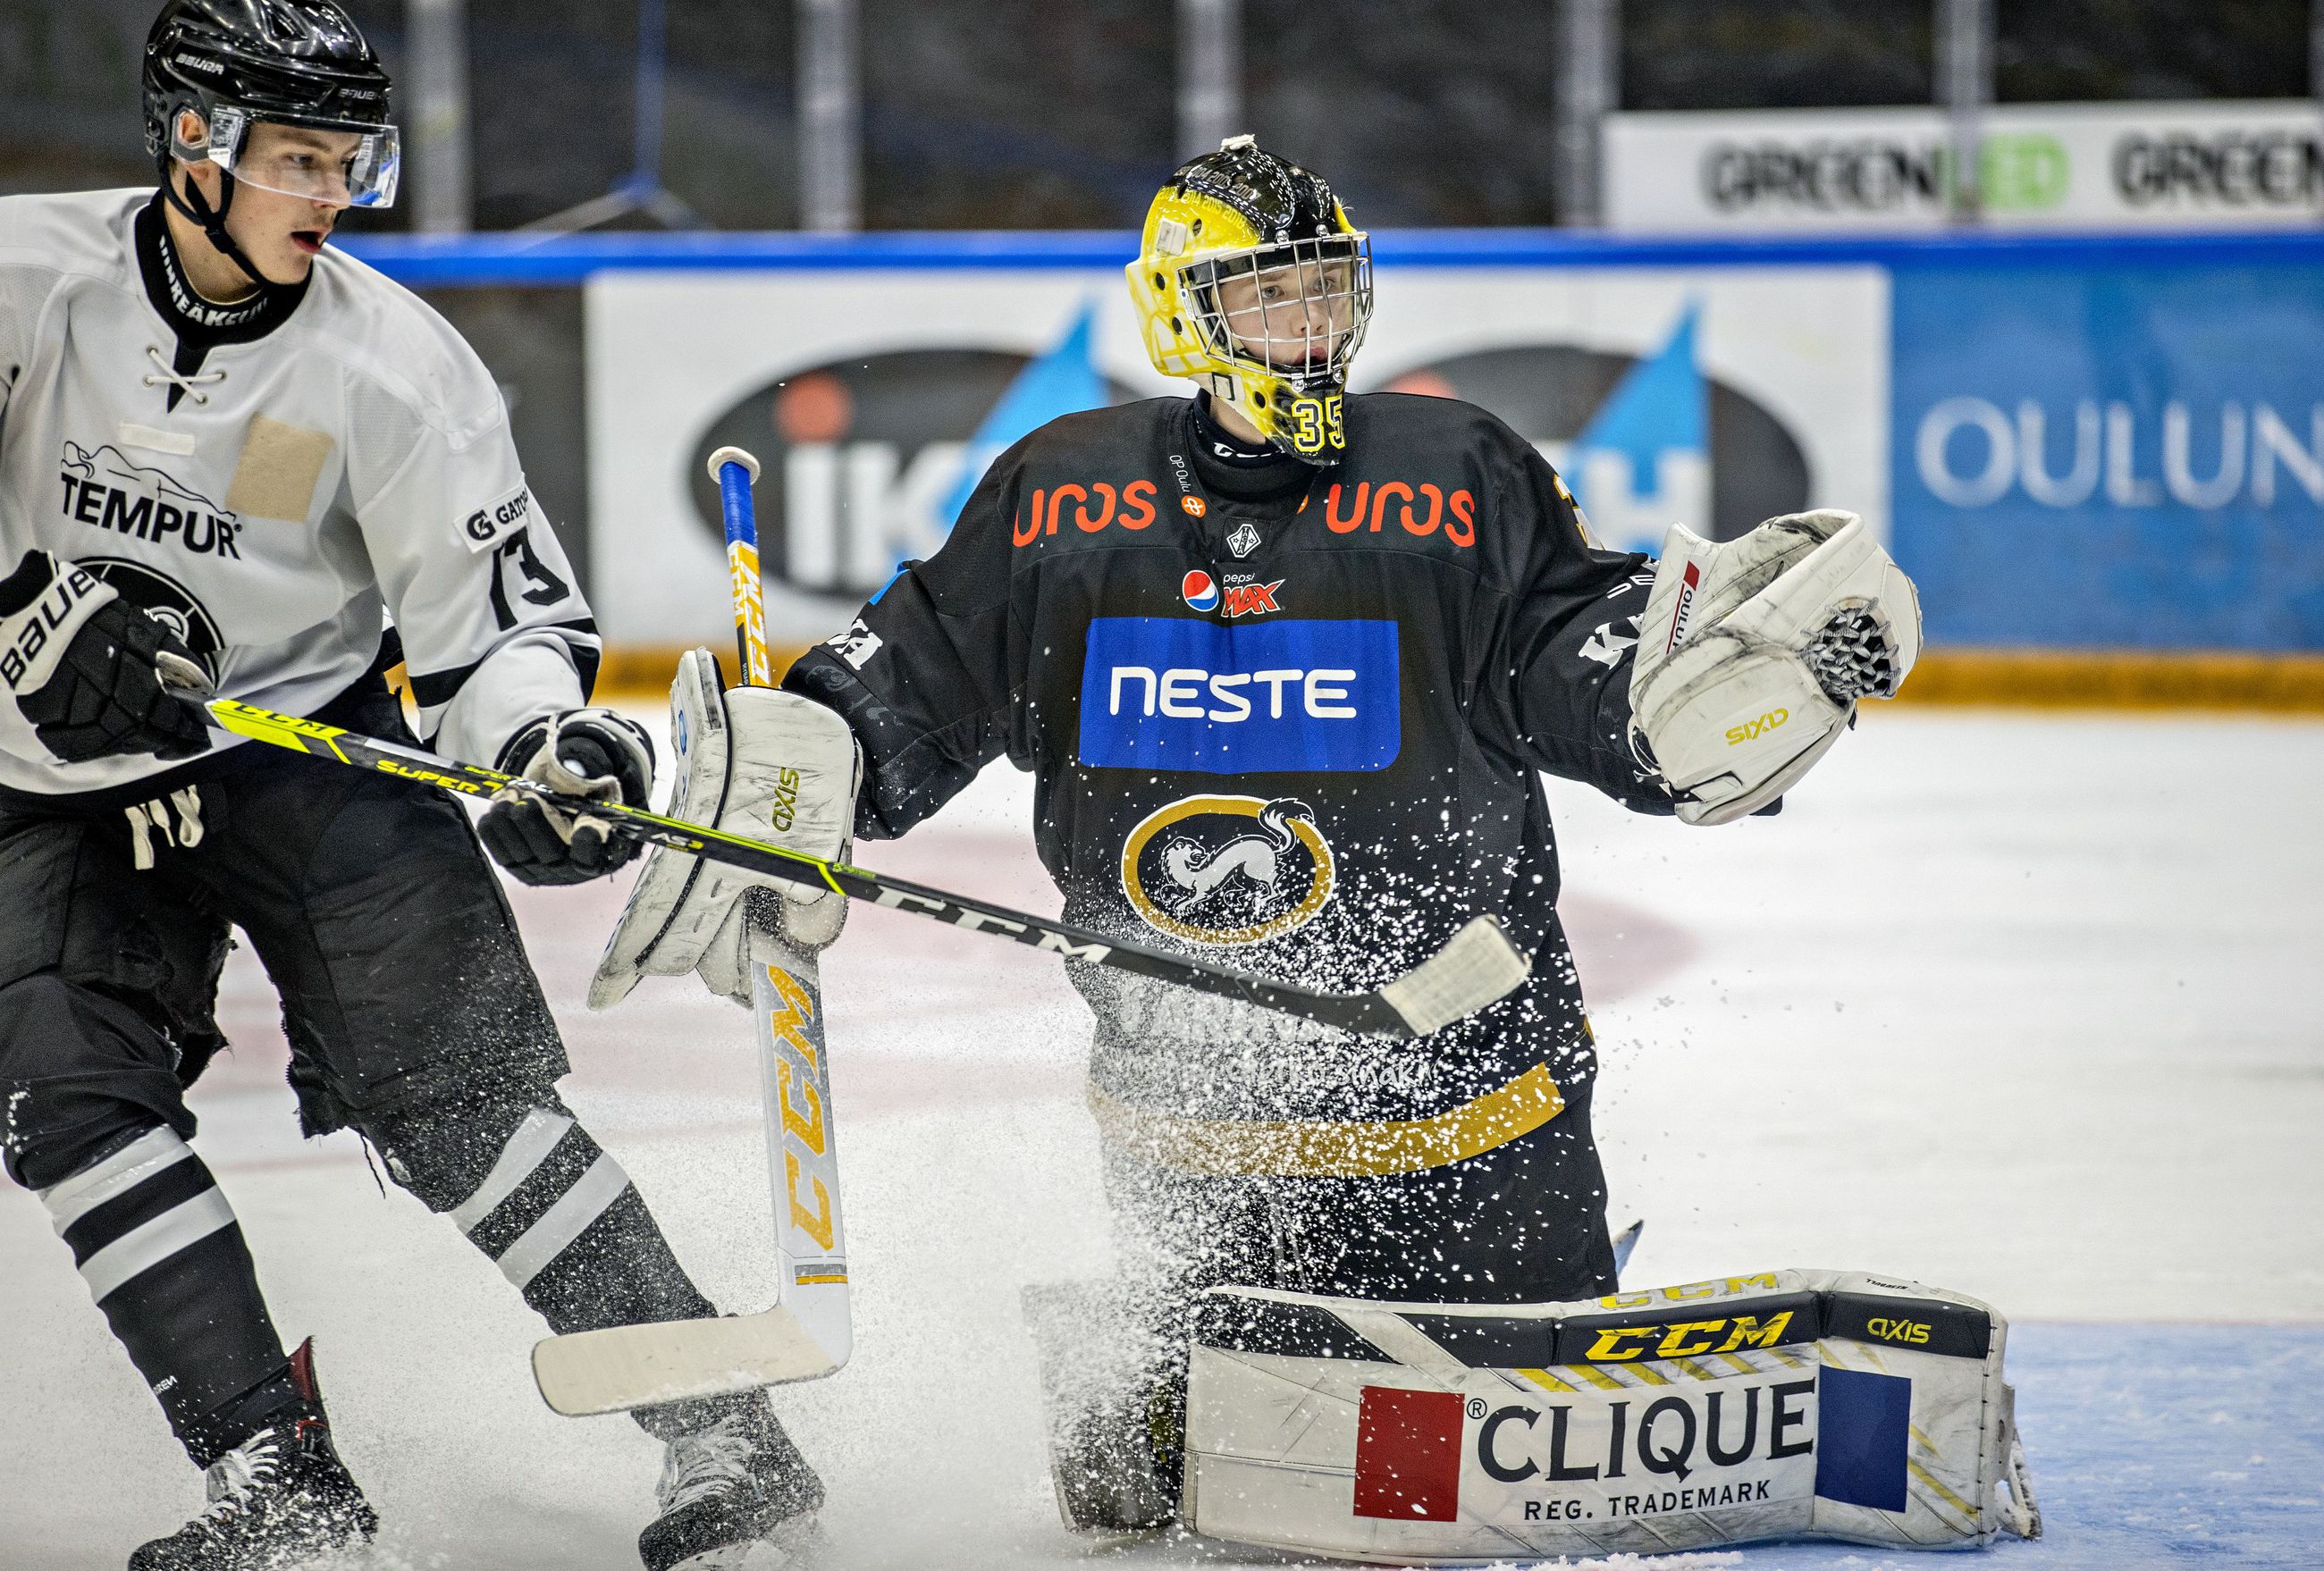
<point x="272" y="482"/>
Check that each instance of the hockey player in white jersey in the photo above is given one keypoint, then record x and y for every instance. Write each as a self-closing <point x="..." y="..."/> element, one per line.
<point x="228" y="456"/>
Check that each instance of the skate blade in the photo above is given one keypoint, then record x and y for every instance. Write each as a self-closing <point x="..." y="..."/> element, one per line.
<point x="757" y="1555"/>
<point x="791" y="1545"/>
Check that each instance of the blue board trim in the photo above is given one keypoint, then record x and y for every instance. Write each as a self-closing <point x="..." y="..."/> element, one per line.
<point x="555" y="261"/>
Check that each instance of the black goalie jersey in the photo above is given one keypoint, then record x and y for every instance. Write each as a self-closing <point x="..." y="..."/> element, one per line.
<point x="1289" y="716"/>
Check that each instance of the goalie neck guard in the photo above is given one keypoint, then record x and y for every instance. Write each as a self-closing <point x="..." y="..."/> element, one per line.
<point x="1250" y="280"/>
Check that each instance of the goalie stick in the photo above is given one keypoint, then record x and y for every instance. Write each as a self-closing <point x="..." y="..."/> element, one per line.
<point x="808" y="1333"/>
<point x="1477" y="965"/>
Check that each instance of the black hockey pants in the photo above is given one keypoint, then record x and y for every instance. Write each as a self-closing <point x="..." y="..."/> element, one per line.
<point x="413" y="1017"/>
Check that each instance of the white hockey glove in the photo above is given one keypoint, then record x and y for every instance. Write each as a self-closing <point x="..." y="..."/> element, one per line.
<point x="754" y="761"/>
<point x="1752" y="655"/>
<point x="595" y="753"/>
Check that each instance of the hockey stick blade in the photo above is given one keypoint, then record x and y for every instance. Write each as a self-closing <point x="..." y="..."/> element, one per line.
<point x="1478" y="967"/>
<point x="663" y="1361"/>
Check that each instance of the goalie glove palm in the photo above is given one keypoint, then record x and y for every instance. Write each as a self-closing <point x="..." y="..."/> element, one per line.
<point x="1752" y="655"/>
<point x="753" y="761"/>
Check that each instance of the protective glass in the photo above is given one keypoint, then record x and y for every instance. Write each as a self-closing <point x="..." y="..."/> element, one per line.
<point x="312" y="160"/>
<point x="1297" y="309"/>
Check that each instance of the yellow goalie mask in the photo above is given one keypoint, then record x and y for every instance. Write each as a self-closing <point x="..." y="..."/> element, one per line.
<point x="1251" y="280"/>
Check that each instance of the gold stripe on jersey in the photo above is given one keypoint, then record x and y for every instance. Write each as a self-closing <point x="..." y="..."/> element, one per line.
<point x="1327" y="1148"/>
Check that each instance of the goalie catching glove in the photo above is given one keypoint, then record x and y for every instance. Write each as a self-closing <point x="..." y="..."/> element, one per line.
<point x="582" y="752"/>
<point x="752" y="761"/>
<point x="1752" y="655"/>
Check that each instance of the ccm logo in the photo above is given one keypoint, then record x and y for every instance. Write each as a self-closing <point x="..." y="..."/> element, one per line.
<point x="1755" y="728"/>
<point x="1912" y="1331"/>
<point x="1725" y="1334"/>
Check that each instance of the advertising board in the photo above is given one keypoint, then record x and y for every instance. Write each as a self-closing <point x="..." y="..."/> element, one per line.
<point x="2125" y="455"/>
<point x="1715" y="397"/>
<point x="2092" y="166"/>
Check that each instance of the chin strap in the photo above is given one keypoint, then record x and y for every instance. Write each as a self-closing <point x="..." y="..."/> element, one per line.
<point x="211" y="220"/>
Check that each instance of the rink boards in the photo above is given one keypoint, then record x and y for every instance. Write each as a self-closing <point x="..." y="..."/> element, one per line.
<point x="2073" y="443"/>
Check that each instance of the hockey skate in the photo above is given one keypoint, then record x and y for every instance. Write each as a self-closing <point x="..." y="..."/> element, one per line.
<point x="734" y="1494"/>
<point x="280" y="1499"/>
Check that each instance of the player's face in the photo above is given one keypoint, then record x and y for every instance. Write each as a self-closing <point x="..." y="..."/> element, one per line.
<point x="290" y="186"/>
<point x="1294" y="315"/>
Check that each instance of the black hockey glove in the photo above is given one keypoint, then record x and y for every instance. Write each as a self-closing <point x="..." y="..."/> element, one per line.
<point x="84" y="666"/>
<point x="598" y="754"/>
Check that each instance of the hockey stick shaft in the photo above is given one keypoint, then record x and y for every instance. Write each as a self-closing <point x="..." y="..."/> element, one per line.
<point x="736" y="471"/>
<point x="1479" y="966"/>
<point x="786" y="1012"/>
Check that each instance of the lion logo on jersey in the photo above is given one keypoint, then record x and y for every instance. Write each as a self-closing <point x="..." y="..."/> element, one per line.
<point x="1199" y="869"/>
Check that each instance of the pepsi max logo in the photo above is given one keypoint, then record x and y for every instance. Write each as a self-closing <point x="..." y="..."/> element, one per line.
<point x="1242" y="597"/>
<point x="1251" y="598"/>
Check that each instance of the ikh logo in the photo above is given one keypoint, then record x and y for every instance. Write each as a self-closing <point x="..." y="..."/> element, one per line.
<point x="1645" y="440"/>
<point x="873" y="457"/>
<point x="1228" y="870"/>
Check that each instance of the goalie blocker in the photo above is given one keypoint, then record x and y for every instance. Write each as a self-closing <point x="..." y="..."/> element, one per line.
<point x="1788" y="1404"/>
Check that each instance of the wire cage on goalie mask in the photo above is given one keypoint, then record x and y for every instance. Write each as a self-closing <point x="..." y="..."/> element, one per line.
<point x="1296" y="310"/>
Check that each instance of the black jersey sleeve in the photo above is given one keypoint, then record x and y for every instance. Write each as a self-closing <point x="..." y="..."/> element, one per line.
<point x="1571" y="632"/>
<point x="926" y="676"/>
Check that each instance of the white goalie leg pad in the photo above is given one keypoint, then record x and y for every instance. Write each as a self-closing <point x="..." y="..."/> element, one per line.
<point x="1753" y="653"/>
<point x="753" y="761"/>
<point x="1784" y="1404"/>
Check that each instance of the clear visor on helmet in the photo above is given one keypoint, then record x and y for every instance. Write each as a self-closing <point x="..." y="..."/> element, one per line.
<point x="1298" y="309"/>
<point x="347" y="166"/>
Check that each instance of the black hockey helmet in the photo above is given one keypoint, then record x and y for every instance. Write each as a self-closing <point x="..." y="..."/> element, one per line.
<point x="235" y="63"/>
<point x="296" y="63"/>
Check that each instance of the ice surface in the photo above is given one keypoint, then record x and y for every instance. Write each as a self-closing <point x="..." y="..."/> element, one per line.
<point x="2025" y="1006"/>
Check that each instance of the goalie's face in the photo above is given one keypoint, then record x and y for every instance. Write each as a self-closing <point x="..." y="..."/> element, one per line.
<point x="1292" y="316"/>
